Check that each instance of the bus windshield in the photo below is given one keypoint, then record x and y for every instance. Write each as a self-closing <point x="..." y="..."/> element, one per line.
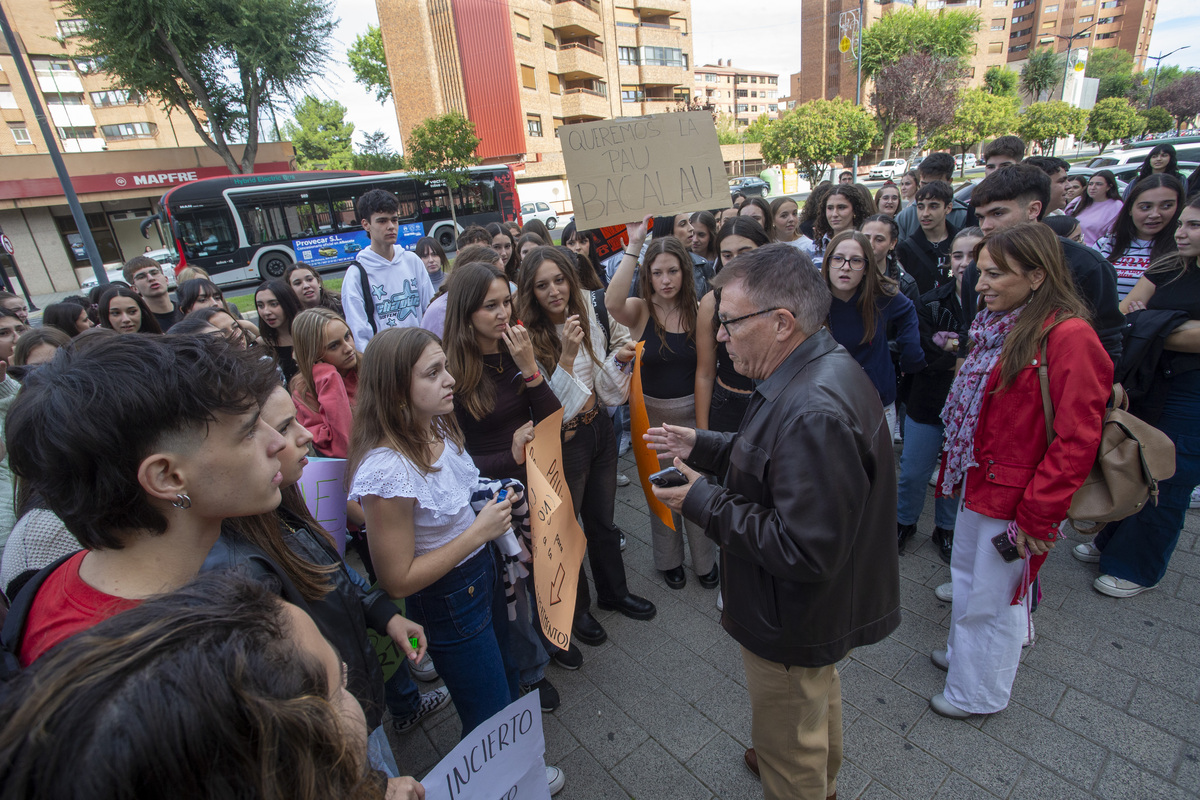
<point x="206" y="232"/>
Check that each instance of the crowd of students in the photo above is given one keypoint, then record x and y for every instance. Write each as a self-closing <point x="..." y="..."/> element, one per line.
<point x="165" y="457"/>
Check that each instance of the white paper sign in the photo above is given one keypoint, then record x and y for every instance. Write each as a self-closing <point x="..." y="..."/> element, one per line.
<point x="499" y="760"/>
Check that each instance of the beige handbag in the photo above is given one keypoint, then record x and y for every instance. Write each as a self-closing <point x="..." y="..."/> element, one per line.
<point x="1133" y="457"/>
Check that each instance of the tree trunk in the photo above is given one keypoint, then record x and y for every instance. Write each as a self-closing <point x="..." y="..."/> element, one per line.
<point x="889" y="130"/>
<point x="453" y="215"/>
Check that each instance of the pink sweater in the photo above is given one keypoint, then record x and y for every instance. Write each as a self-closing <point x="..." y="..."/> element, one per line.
<point x="330" y="423"/>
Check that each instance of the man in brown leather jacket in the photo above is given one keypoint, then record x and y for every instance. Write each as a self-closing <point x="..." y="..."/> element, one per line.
<point x="802" y="501"/>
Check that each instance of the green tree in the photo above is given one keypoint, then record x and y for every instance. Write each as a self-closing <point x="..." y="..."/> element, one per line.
<point x="979" y="115"/>
<point x="1114" y="68"/>
<point x="377" y="155"/>
<point x="1046" y="123"/>
<point x="727" y="129"/>
<point x="1041" y="73"/>
<point x="1156" y="120"/>
<point x="816" y="134"/>
<point x="369" y="63"/>
<point x="1113" y="118"/>
<point x="217" y="61"/>
<point x="757" y="130"/>
<point x="1001" y="81"/>
<point x="442" y="148"/>
<point x="322" y="137"/>
<point x="1144" y="81"/>
<point x="943" y="34"/>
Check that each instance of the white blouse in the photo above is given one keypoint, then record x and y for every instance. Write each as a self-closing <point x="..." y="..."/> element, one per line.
<point x="610" y="382"/>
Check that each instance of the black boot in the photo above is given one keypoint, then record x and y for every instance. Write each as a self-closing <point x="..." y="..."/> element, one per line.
<point x="944" y="539"/>
<point x="903" y="534"/>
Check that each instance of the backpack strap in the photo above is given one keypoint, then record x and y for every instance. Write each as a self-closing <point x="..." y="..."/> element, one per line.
<point x="368" y="298"/>
<point x="602" y="316"/>
<point x="1047" y="406"/>
<point x="18" y="615"/>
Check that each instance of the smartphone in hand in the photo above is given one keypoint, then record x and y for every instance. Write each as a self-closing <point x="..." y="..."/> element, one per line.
<point x="1007" y="550"/>
<point x="671" y="476"/>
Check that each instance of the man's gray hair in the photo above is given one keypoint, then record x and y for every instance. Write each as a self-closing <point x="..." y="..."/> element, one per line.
<point x="780" y="276"/>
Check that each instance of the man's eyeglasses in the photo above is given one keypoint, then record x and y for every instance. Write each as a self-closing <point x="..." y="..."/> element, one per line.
<point x="148" y="274"/>
<point x="854" y="263"/>
<point x="725" y="323"/>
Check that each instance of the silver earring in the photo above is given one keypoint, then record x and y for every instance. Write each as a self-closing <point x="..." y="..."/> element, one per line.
<point x="182" y="501"/>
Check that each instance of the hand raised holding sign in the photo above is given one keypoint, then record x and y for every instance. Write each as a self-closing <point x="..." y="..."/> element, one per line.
<point x="638" y="232"/>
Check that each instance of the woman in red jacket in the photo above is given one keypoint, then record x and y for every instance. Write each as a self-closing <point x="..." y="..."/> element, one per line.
<point x="327" y="381"/>
<point x="1014" y="488"/>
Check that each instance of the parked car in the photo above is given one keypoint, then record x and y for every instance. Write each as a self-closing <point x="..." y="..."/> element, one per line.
<point x="749" y="186"/>
<point x="165" y="257"/>
<point x="539" y="210"/>
<point x="1161" y="139"/>
<point x="971" y="162"/>
<point x="1124" y="173"/>
<point x="888" y="169"/>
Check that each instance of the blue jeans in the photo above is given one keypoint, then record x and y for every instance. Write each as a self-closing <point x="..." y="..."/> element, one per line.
<point x="1139" y="548"/>
<point x="465" y="620"/>
<point x="922" y="444"/>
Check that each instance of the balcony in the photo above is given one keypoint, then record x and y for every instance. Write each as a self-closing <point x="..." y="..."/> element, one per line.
<point x="660" y="36"/>
<point x="576" y="61"/>
<point x="83" y="145"/>
<point x="59" y="81"/>
<point x="657" y="7"/>
<point x="584" y="103"/>
<point x="71" y="116"/>
<point x="662" y="76"/>
<point x="658" y="105"/>
<point x="577" y="18"/>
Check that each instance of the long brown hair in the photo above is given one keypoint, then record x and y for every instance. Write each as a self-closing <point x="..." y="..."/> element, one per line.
<point x="384" y="416"/>
<point x="266" y="532"/>
<point x="467" y="288"/>
<point x="308" y="345"/>
<point x="861" y="205"/>
<point x="1020" y="250"/>
<point x="547" y="345"/>
<point x="688" y="302"/>
<point x="875" y="285"/>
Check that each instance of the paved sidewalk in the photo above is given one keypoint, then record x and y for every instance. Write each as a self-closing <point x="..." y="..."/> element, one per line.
<point x="1106" y="704"/>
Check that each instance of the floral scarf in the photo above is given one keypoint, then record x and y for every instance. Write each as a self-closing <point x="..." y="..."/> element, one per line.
<point x="961" y="412"/>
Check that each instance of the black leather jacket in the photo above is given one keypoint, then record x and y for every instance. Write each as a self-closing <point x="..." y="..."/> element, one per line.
<point x="805" y="512"/>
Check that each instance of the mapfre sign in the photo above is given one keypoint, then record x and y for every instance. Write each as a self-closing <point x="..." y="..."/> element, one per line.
<point x="121" y="181"/>
<point x="158" y="178"/>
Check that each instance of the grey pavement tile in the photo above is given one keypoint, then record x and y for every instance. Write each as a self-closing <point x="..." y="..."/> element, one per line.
<point x="1037" y="783"/>
<point x="921" y="634"/>
<point x="851" y="781"/>
<point x="688" y="675"/>
<point x="621" y="678"/>
<point x="1106" y="725"/>
<point x="921" y="677"/>
<point x="685" y="624"/>
<point x="881" y="699"/>
<point x="651" y="772"/>
<point x="728" y="706"/>
<point x="1082" y="671"/>
<point x="574" y="686"/>
<point x="1040" y="740"/>
<point x="917" y="598"/>
<point x="942" y="575"/>
<point x="887" y="657"/>
<point x="1147" y="664"/>
<point x="877" y="791"/>
<point x="1129" y="617"/>
<point x="1188" y="771"/>
<point x="1065" y="628"/>
<point x="559" y="741"/>
<point x="894" y="761"/>
<point x="1189" y="590"/>
<point x="415" y="753"/>
<point x="719" y="766"/>
<point x="958" y="787"/>
<point x="726" y="656"/>
<point x="651" y="588"/>
<point x="1172" y="610"/>
<point x="587" y="779"/>
<point x="1172" y="713"/>
<point x="916" y="568"/>
<point x="1125" y="781"/>
<point x="636" y="637"/>
<point x="670" y="721"/>
<point x="603" y="728"/>
<point x="974" y="754"/>
<point x="1037" y="690"/>
<point x="1186" y="562"/>
<point x="445" y="735"/>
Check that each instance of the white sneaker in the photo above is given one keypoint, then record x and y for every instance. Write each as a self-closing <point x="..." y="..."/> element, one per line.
<point x="1195" y="498"/>
<point x="720" y="601"/>
<point x="1087" y="552"/>
<point x="556" y="779"/>
<point x="626" y="443"/>
<point x="1118" y="587"/>
<point x="622" y="479"/>
<point x="424" y="670"/>
<point x="897" y="435"/>
<point x="430" y="702"/>
<point x="945" y="592"/>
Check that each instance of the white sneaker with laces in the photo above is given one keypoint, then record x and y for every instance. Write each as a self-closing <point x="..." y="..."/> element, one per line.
<point x="945" y="592"/>
<point x="556" y="779"/>
<point x="1086" y="552"/>
<point x="720" y="601"/>
<point x="424" y="670"/>
<point x="1118" y="587"/>
<point x="430" y="703"/>
<point x="1195" y="498"/>
<point x="622" y="479"/>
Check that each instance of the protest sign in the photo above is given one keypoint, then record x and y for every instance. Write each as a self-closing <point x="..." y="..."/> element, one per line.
<point x="620" y="170"/>
<point x="324" y="489"/>
<point x="558" y="542"/>
<point x="499" y="760"/>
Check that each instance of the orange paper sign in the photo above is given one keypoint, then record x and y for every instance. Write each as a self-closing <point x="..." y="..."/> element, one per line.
<point x="647" y="460"/>
<point x="558" y="541"/>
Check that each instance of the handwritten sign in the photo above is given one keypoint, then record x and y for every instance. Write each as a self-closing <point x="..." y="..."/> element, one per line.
<point x="620" y="170"/>
<point x="558" y="541"/>
<point x="324" y="489"/>
<point x="499" y="760"/>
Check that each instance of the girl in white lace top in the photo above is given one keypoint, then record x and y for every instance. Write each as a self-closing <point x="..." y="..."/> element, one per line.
<point x="414" y="480"/>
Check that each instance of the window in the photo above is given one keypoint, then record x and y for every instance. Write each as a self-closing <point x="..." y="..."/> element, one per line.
<point x="521" y="27"/>
<point x="1021" y="18"/>
<point x="555" y="84"/>
<point x="998" y="24"/>
<point x="662" y="57"/>
<point x="741" y="109"/>
<point x="115" y="97"/>
<point x="1021" y="3"/>
<point x="632" y="94"/>
<point x="773" y="107"/>
<point x="71" y="27"/>
<point x="1048" y="25"/>
<point x="1020" y="33"/>
<point x="1088" y="18"/>
<point x="742" y="93"/>
<point x="999" y="3"/>
<point x="629" y="57"/>
<point x="130" y="130"/>
<point x="533" y="124"/>
<point x="7" y="99"/>
<point x="1049" y="9"/>
<point x="1018" y="48"/>
<point x="21" y="135"/>
<point x="1111" y="4"/>
<point x="47" y="66"/>
<point x="625" y="17"/>
<point x="1106" y="20"/>
<point x="996" y="47"/>
<point x="557" y="122"/>
<point x="548" y="38"/>
<point x="76" y="133"/>
<point x="528" y="77"/>
<point x="1106" y="36"/>
<point x="1087" y="2"/>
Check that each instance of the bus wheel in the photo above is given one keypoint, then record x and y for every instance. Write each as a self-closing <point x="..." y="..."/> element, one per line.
<point x="275" y="264"/>
<point x="445" y="238"/>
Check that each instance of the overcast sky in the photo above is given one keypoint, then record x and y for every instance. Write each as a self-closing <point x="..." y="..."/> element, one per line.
<point x="755" y="34"/>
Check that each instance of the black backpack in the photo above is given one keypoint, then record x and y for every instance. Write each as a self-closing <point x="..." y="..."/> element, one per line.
<point x="368" y="298"/>
<point x="18" y="614"/>
<point x="602" y="316"/>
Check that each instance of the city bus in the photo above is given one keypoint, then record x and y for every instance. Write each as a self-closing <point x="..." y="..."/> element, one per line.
<point x="242" y="228"/>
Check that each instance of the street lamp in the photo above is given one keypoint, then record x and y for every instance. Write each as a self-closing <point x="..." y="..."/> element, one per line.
<point x="1157" y="63"/>
<point x="1083" y="34"/>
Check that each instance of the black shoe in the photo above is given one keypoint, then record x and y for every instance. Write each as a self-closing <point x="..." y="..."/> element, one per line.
<point x="675" y="578"/>
<point x="548" y="694"/>
<point x="571" y="658"/>
<point x="631" y="606"/>
<point x="944" y="539"/>
<point x="587" y="630"/>
<point x="904" y="533"/>
<point x="713" y="579"/>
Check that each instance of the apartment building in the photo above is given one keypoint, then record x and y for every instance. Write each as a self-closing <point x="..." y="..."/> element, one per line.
<point x="1032" y="24"/>
<point x="743" y="94"/>
<point x="520" y="69"/>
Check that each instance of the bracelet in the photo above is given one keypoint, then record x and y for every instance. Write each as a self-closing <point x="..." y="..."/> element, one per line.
<point x="537" y="373"/>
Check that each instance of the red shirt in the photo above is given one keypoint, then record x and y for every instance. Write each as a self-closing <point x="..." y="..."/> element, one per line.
<point x="65" y="606"/>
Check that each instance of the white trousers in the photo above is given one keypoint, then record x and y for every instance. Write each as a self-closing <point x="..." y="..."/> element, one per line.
<point x="986" y="632"/>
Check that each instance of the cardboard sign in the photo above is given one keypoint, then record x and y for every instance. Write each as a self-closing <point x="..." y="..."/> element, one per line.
<point x="499" y="760"/>
<point x="323" y="485"/>
<point x="558" y="541"/>
<point x="338" y="248"/>
<point x="620" y="170"/>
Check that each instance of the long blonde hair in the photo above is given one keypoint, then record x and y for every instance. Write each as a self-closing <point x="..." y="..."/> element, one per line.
<point x="384" y="415"/>
<point x="308" y="345"/>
